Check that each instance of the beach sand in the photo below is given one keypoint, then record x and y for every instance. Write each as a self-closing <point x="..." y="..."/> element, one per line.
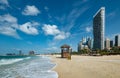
<point x="88" y="66"/>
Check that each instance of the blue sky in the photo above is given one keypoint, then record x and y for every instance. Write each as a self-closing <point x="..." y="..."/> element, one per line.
<point x="44" y="25"/>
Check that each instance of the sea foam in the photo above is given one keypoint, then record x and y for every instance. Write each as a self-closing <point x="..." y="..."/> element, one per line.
<point x="9" y="61"/>
<point x="36" y="67"/>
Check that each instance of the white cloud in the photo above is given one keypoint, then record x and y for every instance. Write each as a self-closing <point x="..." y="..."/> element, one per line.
<point x="46" y="8"/>
<point x="8" y="25"/>
<point x="111" y="15"/>
<point x="62" y="36"/>
<point x="85" y="0"/>
<point x="29" y="42"/>
<point x="9" y="32"/>
<point x="52" y="48"/>
<point x="8" y="18"/>
<point x="2" y="7"/>
<point x="31" y="10"/>
<point x="88" y="29"/>
<point x="4" y="4"/>
<point x="50" y="29"/>
<point x="30" y="28"/>
<point x="74" y="14"/>
<point x="79" y="3"/>
<point x="112" y="36"/>
<point x="53" y="30"/>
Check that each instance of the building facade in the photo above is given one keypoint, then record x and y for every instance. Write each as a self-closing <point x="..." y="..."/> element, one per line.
<point x="107" y="43"/>
<point x="85" y="43"/>
<point x="31" y="53"/>
<point x="80" y="46"/>
<point x="111" y="43"/>
<point x="98" y="29"/>
<point x="117" y="40"/>
<point x="90" y="43"/>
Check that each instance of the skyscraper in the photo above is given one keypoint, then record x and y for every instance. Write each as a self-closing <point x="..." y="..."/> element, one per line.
<point x="98" y="29"/>
<point x="107" y="43"/>
<point x="111" y="43"/>
<point x="86" y="43"/>
<point x="117" y="40"/>
<point x="90" y="43"/>
<point x="80" y="46"/>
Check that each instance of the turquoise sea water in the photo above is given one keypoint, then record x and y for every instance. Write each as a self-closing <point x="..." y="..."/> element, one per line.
<point x="26" y="67"/>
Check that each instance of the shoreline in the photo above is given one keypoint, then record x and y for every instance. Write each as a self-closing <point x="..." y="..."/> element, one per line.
<point x="87" y="66"/>
<point x="52" y="69"/>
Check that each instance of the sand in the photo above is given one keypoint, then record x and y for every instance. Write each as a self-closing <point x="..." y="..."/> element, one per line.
<point x="88" y="66"/>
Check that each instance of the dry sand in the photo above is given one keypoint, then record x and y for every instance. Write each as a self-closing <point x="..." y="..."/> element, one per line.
<point x="88" y="66"/>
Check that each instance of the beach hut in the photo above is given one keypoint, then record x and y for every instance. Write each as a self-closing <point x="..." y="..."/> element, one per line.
<point x="65" y="51"/>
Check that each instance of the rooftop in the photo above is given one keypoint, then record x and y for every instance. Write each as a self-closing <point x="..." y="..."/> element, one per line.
<point x="65" y="46"/>
<point x="102" y="8"/>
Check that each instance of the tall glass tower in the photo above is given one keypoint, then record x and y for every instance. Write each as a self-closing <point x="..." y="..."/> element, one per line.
<point x="117" y="40"/>
<point x="98" y="29"/>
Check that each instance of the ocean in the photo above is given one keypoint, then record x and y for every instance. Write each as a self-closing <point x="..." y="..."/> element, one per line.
<point x="26" y="67"/>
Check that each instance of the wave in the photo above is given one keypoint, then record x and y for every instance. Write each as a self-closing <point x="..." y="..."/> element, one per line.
<point x="36" y="67"/>
<point x="11" y="61"/>
<point x="27" y="57"/>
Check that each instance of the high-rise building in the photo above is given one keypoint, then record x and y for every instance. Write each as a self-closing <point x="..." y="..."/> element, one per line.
<point x="84" y="40"/>
<point x="107" y="43"/>
<point x="117" y="40"/>
<point x="86" y="43"/>
<point x="20" y="52"/>
<point x="80" y="46"/>
<point x="98" y="29"/>
<point x="111" y="43"/>
<point x="31" y="53"/>
<point x="90" y="43"/>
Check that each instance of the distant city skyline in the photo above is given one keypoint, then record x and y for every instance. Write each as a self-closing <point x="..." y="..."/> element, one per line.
<point x="44" y="25"/>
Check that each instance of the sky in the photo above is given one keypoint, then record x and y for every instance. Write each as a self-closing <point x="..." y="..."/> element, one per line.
<point x="44" y="25"/>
